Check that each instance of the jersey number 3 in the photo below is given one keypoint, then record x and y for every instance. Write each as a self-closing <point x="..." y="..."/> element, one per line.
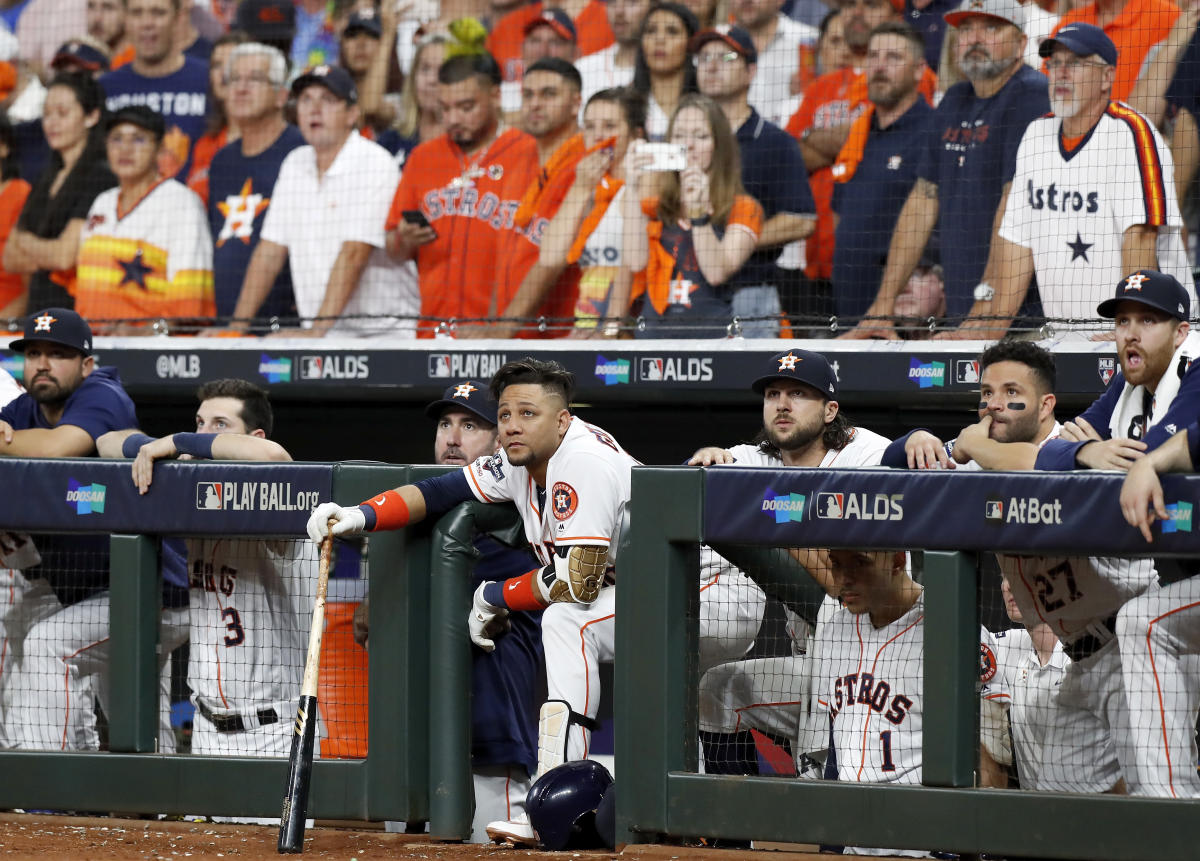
<point x="233" y="624"/>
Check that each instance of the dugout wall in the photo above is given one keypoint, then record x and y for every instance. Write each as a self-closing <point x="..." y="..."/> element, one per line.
<point x="391" y="782"/>
<point x="676" y="508"/>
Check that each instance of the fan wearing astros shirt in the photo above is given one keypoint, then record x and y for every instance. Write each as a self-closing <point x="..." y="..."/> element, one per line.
<point x="145" y="251"/>
<point x="458" y="195"/>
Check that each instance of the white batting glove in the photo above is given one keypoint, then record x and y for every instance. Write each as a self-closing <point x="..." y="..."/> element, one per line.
<point x="350" y="521"/>
<point x="486" y="621"/>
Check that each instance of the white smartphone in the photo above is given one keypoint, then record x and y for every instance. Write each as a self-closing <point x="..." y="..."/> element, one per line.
<point x="667" y="156"/>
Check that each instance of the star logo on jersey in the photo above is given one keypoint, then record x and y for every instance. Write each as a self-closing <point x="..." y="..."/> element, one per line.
<point x="788" y="362"/>
<point x="1134" y="281"/>
<point x="43" y="323"/>
<point x="240" y="210"/>
<point x="135" y="271"/>
<point x="1079" y="248"/>
<point x="463" y="390"/>
<point x="564" y="499"/>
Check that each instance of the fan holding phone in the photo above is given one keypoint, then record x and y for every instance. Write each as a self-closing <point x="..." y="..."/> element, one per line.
<point x="689" y="230"/>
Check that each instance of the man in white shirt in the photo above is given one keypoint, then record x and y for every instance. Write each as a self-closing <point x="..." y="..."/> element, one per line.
<point x="778" y="39"/>
<point x="613" y="66"/>
<point x="327" y="214"/>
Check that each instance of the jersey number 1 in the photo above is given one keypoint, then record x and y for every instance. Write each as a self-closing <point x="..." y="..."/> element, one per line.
<point x="885" y="739"/>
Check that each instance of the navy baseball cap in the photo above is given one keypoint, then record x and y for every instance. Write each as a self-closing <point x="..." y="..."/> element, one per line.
<point x="140" y="116"/>
<point x="558" y="21"/>
<point x="469" y="395"/>
<point x="735" y="37"/>
<point x="1082" y="40"/>
<point x="804" y="366"/>
<point x="1156" y="289"/>
<point x="79" y="55"/>
<point x="364" y="21"/>
<point x="333" y="78"/>
<point x="57" y="326"/>
<point x="267" y="19"/>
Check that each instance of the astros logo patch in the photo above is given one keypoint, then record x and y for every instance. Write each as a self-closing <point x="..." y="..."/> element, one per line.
<point x="987" y="663"/>
<point x="788" y="362"/>
<point x="463" y="390"/>
<point x="1134" y="281"/>
<point x="42" y="323"/>
<point x="564" y="499"/>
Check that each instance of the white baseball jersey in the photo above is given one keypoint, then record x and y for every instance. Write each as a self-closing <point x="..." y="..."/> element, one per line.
<point x="251" y="608"/>
<point x="9" y="388"/>
<point x="585" y="497"/>
<point x="1033" y="689"/>
<point x="864" y="449"/>
<point x="871" y="681"/>
<point x="1072" y="210"/>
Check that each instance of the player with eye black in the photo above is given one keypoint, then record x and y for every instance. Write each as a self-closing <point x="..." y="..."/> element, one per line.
<point x="1077" y="596"/>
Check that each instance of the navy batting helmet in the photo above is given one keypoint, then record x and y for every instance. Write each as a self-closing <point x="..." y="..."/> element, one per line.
<point x="562" y="805"/>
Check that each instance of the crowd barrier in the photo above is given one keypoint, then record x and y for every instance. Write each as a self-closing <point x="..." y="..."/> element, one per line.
<point x="951" y="515"/>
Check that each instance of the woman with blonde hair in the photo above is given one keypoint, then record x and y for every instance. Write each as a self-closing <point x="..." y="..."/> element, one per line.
<point x="420" y="117"/>
<point x="690" y="231"/>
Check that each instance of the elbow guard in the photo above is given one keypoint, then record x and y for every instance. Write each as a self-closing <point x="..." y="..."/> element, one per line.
<point x="576" y="574"/>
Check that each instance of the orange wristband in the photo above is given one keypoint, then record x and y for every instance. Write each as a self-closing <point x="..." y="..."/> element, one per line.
<point x="521" y="593"/>
<point x="391" y="511"/>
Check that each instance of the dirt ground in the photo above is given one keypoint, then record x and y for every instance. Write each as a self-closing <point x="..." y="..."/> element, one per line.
<point x="95" y="839"/>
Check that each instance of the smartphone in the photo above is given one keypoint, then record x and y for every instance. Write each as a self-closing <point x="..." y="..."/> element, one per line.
<point x="667" y="156"/>
<point x="417" y="217"/>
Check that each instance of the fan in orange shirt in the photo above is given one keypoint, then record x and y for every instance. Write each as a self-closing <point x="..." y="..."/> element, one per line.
<point x="458" y="195"/>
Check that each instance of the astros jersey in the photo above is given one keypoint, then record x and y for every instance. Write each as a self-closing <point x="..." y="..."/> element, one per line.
<point x="1072" y="209"/>
<point x="155" y="260"/>
<point x="1033" y="689"/>
<point x="1074" y="594"/>
<point x="470" y="202"/>
<point x="871" y="682"/>
<point x="864" y="449"/>
<point x="182" y="99"/>
<point x="250" y="606"/>
<point x="586" y="493"/>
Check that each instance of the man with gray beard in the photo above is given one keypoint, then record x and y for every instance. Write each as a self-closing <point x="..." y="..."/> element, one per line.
<point x="965" y="173"/>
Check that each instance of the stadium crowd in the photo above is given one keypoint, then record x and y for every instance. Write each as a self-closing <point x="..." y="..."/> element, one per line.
<point x="460" y="168"/>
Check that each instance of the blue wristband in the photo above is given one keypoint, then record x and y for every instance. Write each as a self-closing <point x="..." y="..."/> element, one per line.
<point x="195" y="444"/>
<point x="133" y="442"/>
<point x="493" y="593"/>
<point x="370" y="515"/>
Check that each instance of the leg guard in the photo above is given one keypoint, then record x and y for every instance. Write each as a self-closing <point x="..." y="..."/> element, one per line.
<point x="554" y="723"/>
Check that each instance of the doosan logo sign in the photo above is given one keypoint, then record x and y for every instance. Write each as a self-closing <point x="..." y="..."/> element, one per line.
<point x="1179" y="518"/>
<point x="785" y="508"/>
<point x="87" y="498"/>
<point x="927" y="374"/>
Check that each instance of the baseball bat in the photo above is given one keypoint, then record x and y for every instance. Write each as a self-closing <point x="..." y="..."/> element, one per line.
<point x="295" y="794"/>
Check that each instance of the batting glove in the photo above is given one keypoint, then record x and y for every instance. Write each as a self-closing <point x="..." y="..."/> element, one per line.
<point x="350" y="521"/>
<point x="487" y="621"/>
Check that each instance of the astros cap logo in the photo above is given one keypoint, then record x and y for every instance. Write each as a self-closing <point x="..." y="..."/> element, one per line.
<point x="42" y="323"/>
<point x="463" y="390"/>
<point x="788" y="362"/>
<point x="1134" y="281"/>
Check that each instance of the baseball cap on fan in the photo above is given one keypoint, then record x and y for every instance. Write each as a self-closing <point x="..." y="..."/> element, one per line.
<point x="803" y="366"/>
<point x="333" y="78"/>
<point x="469" y="395"/>
<point x="56" y="326"/>
<point x="558" y="21"/>
<point x="267" y="19"/>
<point x="1156" y="289"/>
<point x="737" y="38"/>
<point x="1082" y="40"/>
<point x="1006" y="10"/>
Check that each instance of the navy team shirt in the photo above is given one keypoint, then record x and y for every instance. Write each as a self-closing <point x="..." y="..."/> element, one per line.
<point x="182" y="99"/>
<point x="773" y="173"/>
<point x="972" y="154"/>
<point x="869" y="205"/>
<point x="76" y="566"/>
<point x="239" y="193"/>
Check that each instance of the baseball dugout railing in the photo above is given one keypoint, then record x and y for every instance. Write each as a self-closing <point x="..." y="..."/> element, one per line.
<point x="674" y="509"/>
<point x="409" y="569"/>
